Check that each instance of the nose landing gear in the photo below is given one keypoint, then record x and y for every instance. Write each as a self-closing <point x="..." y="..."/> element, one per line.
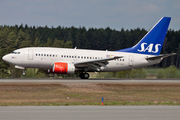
<point x="23" y="73"/>
<point x="84" y="75"/>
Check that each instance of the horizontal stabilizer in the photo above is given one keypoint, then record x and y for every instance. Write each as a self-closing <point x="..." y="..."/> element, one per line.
<point x="160" y="56"/>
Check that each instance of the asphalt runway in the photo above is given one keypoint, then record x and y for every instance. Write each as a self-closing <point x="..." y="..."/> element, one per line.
<point x="89" y="113"/>
<point x="87" y="81"/>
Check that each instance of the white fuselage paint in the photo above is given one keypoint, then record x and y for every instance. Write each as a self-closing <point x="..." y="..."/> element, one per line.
<point x="33" y="57"/>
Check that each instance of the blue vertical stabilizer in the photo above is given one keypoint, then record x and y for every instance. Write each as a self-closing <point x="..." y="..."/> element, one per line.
<point x="152" y="42"/>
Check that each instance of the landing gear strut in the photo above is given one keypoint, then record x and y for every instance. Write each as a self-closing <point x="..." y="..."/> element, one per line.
<point x="84" y="75"/>
<point x="23" y="73"/>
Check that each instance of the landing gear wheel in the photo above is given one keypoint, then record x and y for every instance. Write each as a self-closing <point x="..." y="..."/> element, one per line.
<point x="81" y="76"/>
<point x="84" y="75"/>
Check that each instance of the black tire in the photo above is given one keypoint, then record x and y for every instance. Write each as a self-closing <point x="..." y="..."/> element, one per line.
<point x="81" y="75"/>
<point x="84" y="75"/>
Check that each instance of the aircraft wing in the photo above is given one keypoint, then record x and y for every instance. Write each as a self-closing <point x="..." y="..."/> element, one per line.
<point x="97" y="64"/>
<point x="160" y="56"/>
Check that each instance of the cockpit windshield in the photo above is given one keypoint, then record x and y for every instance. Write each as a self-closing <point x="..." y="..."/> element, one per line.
<point x="15" y="52"/>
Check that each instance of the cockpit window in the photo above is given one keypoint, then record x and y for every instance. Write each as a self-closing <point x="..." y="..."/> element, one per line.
<point x="15" y="52"/>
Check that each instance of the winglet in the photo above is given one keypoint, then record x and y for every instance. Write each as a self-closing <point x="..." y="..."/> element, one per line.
<point x="152" y="42"/>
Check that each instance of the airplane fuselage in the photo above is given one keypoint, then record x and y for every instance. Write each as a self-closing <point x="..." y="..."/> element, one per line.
<point x="45" y="57"/>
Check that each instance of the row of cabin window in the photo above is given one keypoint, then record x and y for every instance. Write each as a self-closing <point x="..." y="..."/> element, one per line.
<point x="119" y="60"/>
<point x="46" y="55"/>
<point x="84" y="57"/>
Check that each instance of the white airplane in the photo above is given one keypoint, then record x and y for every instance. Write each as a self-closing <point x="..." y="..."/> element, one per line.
<point x="79" y="61"/>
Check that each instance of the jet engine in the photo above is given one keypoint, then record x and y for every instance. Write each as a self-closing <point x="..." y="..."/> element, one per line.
<point x="63" y="68"/>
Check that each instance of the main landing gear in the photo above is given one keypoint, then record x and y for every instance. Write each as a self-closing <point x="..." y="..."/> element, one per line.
<point x="84" y="75"/>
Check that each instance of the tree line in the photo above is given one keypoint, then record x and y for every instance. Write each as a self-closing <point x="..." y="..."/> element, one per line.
<point x="14" y="37"/>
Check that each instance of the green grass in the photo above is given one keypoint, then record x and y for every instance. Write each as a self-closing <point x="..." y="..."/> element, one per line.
<point x="51" y="94"/>
<point x="90" y="103"/>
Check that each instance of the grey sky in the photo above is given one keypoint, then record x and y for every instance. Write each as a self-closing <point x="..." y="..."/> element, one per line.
<point x="115" y="14"/>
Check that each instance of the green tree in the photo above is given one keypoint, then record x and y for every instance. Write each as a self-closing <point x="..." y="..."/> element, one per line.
<point x="37" y="42"/>
<point x="49" y="42"/>
<point x="68" y="44"/>
<point x="171" y="72"/>
<point x="58" y="43"/>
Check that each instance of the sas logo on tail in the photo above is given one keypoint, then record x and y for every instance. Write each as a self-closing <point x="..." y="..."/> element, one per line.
<point x="149" y="48"/>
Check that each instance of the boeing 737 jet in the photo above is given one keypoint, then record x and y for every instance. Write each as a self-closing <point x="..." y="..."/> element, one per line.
<point x="80" y="61"/>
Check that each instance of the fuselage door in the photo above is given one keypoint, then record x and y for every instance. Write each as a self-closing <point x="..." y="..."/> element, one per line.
<point x="30" y="54"/>
<point x="131" y="60"/>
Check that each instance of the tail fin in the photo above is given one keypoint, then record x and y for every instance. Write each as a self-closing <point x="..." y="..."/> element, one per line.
<point x="152" y="42"/>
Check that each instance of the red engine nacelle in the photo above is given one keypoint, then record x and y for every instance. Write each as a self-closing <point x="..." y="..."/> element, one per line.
<point x="63" y="68"/>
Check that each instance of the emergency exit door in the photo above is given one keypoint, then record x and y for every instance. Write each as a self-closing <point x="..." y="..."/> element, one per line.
<point x="30" y="54"/>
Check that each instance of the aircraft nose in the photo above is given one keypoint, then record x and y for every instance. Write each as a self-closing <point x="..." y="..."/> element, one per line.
<point x="5" y="58"/>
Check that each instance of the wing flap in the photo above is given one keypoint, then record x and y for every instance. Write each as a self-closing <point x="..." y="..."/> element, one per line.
<point x="96" y="64"/>
<point x="98" y="60"/>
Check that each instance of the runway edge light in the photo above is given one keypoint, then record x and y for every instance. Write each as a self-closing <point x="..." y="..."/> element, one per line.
<point x="102" y="100"/>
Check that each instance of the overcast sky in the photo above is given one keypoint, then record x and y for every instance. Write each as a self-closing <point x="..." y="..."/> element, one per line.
<point x="116" y="14"/>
